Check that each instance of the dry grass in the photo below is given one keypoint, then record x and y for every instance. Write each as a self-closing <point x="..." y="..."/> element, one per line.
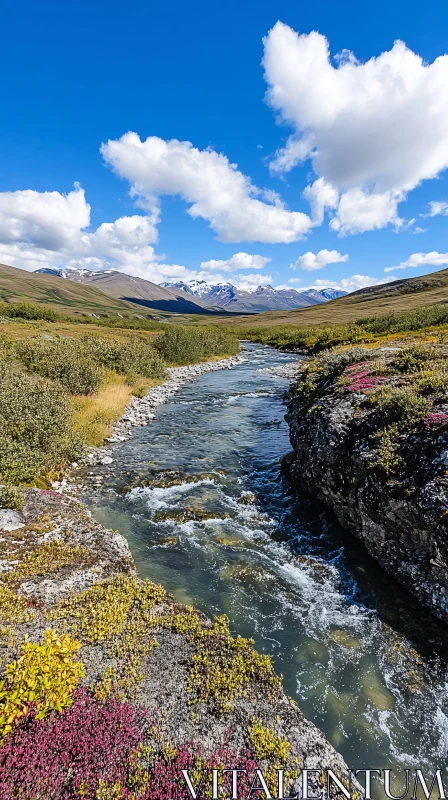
<point x="94" y="415"/>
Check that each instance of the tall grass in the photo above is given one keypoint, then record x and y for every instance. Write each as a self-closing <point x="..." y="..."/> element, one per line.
<point x="181" y="344"/>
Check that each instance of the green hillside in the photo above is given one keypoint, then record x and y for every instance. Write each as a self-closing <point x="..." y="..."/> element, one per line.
<point x="398" y="296"/>
<point x="19" y="286"/>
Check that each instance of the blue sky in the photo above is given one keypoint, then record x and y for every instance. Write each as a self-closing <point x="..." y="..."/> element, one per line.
<point x="367" y="133"/>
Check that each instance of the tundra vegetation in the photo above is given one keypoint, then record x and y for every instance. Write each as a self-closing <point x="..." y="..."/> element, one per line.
<point x="61" y="388"/>
<point x="316" y="338"/>
<point x="73" y="719"/>
<point x="65" y="733"/>
<point x="401" y="393"/>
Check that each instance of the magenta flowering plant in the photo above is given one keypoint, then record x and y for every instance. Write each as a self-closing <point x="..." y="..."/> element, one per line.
<point x="98" y="749"/>
<point x="363" y="384"/>
<point x="67" y="755"/>
<point x="435" y="418"/>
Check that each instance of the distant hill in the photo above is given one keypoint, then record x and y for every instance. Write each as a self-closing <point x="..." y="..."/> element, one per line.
<point x="262" y="298"/>
<point x="20" y="286"/>
<point x="134" y="290"/>
<point x="401" y="295"/>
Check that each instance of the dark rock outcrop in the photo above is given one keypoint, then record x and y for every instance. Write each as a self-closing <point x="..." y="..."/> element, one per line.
<point x="402" y="519"/>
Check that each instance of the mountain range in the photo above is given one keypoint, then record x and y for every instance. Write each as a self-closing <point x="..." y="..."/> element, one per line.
<point x="134" y="290"/>
<point x="262" y="298"/>
<point x="193" y="297"/>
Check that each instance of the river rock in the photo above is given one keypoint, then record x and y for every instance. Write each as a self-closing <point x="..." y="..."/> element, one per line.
<point x="10" y="520"/>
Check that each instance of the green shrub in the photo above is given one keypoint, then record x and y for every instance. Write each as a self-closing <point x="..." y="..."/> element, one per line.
<point x="134" y="356"/>
<point x="332" y="363"/>
<point x="28" y="311"/>
<point x="400" y="404"/>
<point x="415" y="320"/>
<point x="388" y="457"/>
<point x="415" y="358"/>
<point x="78" y="363"/>
<point x="314" y="338"/>
<point x="432" y="382"/>
<point x="36" y="435"/>
<point x="63" y="360"/>
<point x="180" y="344"/>
<point x="318" y="375"/>
<point x="11" y="497"/>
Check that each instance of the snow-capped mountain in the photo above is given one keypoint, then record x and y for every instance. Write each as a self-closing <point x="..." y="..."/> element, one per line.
<point x="332" y="294"/>
<point x="195" y="296"/>
<point x="136" y="290"/>
<point x="260" y="298"/>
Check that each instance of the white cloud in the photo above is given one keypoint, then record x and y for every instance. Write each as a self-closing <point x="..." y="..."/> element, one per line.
<point x="360" y="211"/>
<point x="49" y="220"/>
<point x="215" y="189"/>
<point x="48" y="229"/>
<point x="250" y="282"/>
<point x="373" y="130"/>
<point x="311" y="261"/>
<point x="432" y="259"/>
<point x="418" y="230"/>
<point x="436" y="207"/>
<point x="321" y="195"/>
<point x="350" y="284"/>
<point x="238" y="261"/>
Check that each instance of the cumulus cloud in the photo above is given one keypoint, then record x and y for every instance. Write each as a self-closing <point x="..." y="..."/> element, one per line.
<point x="250" y="282"/>
<point x="321" y="195"/>
<point x="432" y="259"/>
<point x="311" y="261"/>
<point x="236" y="262"/>
<point x="215" y="189"/>
<point x="373" y="130"/>
<point x="360" y="211"/>
<point x="437" y="207"/>
<point x="49" y="220"/>
<point x="350" y="284"/>
<point x="49" y="229"/>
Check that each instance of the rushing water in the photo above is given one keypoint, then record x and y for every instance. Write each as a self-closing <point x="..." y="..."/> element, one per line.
<point x="363" y="661"/>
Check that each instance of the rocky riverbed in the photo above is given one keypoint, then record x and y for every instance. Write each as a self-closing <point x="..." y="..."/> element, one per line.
<point x="70" y="584"/>
<point x="63" y="571"/>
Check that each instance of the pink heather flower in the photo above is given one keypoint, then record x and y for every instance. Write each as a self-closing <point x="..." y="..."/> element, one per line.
<point x="435" y="418"/>
<point x="363" y="385"/>
<point x="66" y="755"/>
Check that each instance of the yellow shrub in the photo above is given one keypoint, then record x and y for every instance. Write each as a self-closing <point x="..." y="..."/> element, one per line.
<point x="45" y="674"/>
<point x="267" y="745"/>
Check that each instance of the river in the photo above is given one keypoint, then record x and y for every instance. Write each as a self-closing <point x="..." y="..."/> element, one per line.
<point x="363" y="661"/>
